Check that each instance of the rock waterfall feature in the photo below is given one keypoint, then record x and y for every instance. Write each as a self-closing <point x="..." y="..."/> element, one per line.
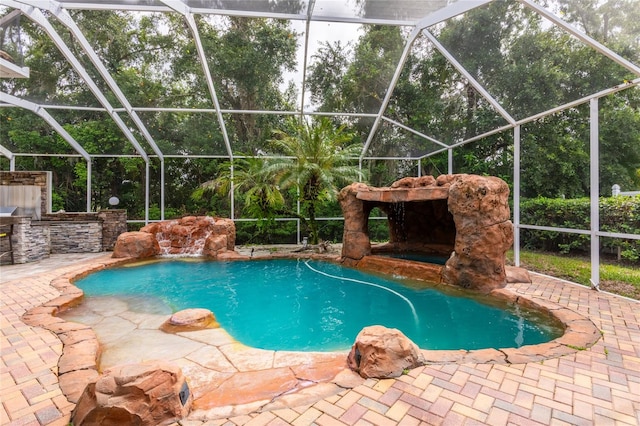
<point x="462" y="218"/>
<point x="189" y="236"/>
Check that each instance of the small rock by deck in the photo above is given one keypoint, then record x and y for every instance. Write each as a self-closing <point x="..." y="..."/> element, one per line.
<point x="190" y="320"/>
<point x="381" y="352"/>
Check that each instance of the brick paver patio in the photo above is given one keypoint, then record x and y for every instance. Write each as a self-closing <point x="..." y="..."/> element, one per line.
<point x="599" y="385"/>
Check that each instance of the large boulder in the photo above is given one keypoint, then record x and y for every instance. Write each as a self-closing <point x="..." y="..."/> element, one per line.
<point x="214" y="244"/>
<point x="484" y="232"/>
<point x="227" y="228"/>
<point x="149" y="394"/>
<point x="136" y="245"/>
<point x="356" y="243"/>
<point x="381" y="352"/>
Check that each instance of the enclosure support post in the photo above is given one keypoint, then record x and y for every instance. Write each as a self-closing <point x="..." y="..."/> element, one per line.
<point x="146" y="193"/>
<point x="594" y="195"/>
<point x="450" y="161"/>
<point x="161" y="188"/>
<point x="12" y="164"/>
<point x="88" y="185"/>
<point x="516" y="195"/>
<point x="232" y="199"/>
<point x="419" y="168"/>
<point x="298" y="211"/>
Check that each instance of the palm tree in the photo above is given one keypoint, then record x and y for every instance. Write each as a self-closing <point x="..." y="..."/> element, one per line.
<point x="253" y="183"/>
<point x="317" y="158"/>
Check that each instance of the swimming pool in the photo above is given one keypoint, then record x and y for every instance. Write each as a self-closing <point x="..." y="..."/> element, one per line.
<point x="417" y="257"/>
<point x="305" y="305"/>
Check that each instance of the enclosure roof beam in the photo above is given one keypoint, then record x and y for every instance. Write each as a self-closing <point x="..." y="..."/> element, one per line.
<point x="466" y="141"/>
<point x="208" y="110"/>
<point x="9" y="69"/>
<point x="577" y="102"/>
<point x="6" y="152"/>
<point x="68" y="21"/>
<point x="55" y="8"/>
<point x="392" y="85"/>
<point x="82" y="108"/>
<point x="139" y="7"/>
<point x="415" y="132"/>
<point x="443" y="14"/>
<point x="303" y="17"/>
<point x="310" y="7"/>
<point x="8" y="17"/>
<point x="184" y="9"/>
<point x="462" y="70"/>
<point x="37" y="16"/>
<point x="452" y="10"/>
<point x="584" y="100"/>
<point x="254" y="111"/>
<point x="583" y="37"/>
<point x="37" y="109"/>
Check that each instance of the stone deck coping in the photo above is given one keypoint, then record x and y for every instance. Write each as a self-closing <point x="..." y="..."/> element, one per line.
<point x="579" y="344"/>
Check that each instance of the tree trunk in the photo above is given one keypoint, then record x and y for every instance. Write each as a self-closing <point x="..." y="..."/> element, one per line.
<point x="313" y="225"/>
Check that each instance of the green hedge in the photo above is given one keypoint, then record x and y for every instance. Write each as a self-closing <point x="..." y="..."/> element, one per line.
<point x="285" y="232"/>
<point x="617" y="214"/>
<point x="276" y="232"/>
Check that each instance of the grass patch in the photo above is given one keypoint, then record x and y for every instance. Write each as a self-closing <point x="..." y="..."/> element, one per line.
<point x="620" y="279"/>
<point x="617" y="273"/>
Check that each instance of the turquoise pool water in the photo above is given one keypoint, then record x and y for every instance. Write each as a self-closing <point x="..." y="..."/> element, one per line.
<point x="318" y="306"/>
<point x="418" y="257"/>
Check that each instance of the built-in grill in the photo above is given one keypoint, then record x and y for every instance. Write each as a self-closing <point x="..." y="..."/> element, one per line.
<point x="8" y="211"/>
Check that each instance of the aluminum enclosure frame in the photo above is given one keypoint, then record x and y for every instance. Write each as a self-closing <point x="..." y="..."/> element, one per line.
<point x="58" y="9"/>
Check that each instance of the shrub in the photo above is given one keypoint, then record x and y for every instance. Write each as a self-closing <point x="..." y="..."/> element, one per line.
<point x="617" y="214"/>
<point x="272" y="232"/>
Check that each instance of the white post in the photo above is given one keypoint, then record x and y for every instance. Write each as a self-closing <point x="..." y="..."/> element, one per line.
<point x="516" y="195"/>
<point x="162" y="188"/>
<point x="146" y="193"/>
<point x="232" y="197"/>
<point x="450" y="153"/>
<point x="594" y="192"/>
<point x="298" y="211"/>
<point x="88" y="185"/>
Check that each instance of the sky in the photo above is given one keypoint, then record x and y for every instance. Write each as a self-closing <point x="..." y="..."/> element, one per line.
<point x="319" y="32"/>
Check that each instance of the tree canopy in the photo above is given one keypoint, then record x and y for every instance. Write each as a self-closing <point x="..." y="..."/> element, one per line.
<point x="524" y="63"/>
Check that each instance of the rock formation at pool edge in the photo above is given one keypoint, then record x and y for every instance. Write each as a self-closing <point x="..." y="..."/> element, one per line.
<point x="188" y="236"/>
<point x="463" y="218"/>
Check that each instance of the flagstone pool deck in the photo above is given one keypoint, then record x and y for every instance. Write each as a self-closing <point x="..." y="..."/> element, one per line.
<point x="598" y="385"/>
